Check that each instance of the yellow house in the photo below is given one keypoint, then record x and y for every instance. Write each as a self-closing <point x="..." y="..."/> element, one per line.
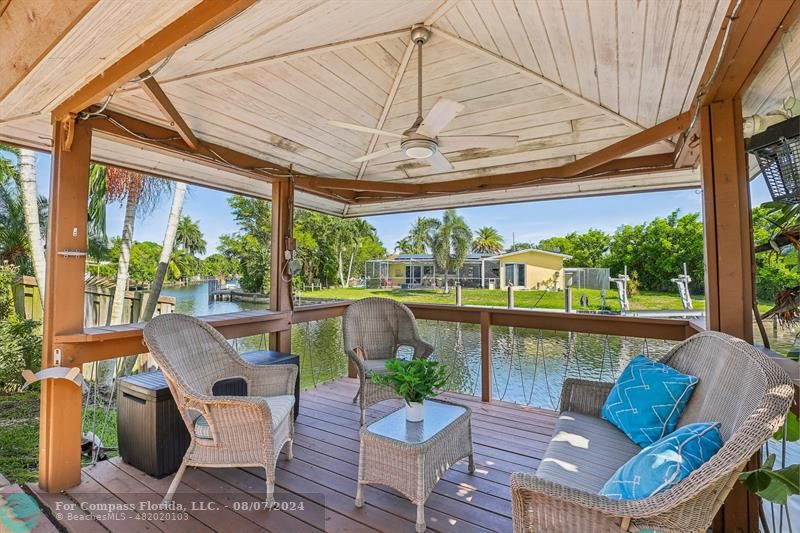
<point x="532" y="269"/>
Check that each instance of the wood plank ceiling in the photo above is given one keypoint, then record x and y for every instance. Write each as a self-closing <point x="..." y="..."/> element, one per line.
<point x="568" y="77"/>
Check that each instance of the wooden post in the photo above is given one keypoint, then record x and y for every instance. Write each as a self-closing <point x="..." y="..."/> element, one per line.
<point x="486" y="357"/>
<point x="60" y="416"/>
<point x="280" y="293"/>
<point x="729" y="270"/>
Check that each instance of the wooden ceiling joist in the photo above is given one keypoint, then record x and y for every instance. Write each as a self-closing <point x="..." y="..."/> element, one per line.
<point x="199" y="20"/>
<point x="167" y="140"/>
<point x="29" y="29"/>
<point x="160" y="99"/>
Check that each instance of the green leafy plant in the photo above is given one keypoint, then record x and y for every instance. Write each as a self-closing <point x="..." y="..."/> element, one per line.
<point x="773" y="485"/>
<point x="414" y="380"/>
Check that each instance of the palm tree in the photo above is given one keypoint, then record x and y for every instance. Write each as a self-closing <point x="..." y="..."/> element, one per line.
<point x="30" y="203"/>
<point x="190" y="238"/>
<point x="140" y="193"/>
<point x="20" y="224"/>
<point x="170" y="238"/>
<point x="487" y="241"/>
<point x="451" y="244"/>
<point x="420" y="237"/>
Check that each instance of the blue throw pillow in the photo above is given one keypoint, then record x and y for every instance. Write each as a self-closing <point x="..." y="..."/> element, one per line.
<point x="664" y="463"/>
<point x="647" y="400"/>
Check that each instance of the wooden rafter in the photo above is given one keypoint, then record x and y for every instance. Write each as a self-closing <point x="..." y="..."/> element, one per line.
<point x="644" y="138"/>
<point x="199" y="20"/>
<point x="387" y="105"/>
<point x="440" y="11"/>
<point x="538" y="77"/>
<point x="295" y="54"/>
<point x="29" y="29"/>
<point x="163" y="103"/>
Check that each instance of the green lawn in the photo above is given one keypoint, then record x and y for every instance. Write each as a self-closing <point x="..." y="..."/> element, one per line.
<point x="522" y="298"/>
<point x="19" y="434"/>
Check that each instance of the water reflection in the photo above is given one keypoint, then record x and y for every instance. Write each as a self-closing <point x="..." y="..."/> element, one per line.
<point x="528" y="366"/>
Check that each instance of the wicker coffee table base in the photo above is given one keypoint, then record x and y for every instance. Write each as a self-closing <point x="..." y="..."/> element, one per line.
<point x="413" y="469"/>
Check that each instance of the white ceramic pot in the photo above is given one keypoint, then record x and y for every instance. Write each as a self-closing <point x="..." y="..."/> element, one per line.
<point x="414" y="411"/>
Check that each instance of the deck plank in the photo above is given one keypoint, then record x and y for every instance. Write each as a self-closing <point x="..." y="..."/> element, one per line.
<point x="506" y="437"/>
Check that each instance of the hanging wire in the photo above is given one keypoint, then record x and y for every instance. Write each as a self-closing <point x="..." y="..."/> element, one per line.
<point x="788" y="69"/>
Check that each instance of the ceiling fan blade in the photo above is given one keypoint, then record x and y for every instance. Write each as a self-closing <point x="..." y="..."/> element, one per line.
<point x="379" y="153"/>
<point x="440" y="115"/>
<point x="365" y="129"/>
<point x="439" y="161"/>
<point x="459" y="142"/>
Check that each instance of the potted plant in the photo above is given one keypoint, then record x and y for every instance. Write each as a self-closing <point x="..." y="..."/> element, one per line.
<point x="414" y="381"/>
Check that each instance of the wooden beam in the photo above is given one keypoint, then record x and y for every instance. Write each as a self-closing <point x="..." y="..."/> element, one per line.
<point x="287" y="56"/>
<point x="626" y="146"/>
<point x="387" y="105"/>
<point x="280" y="293"/>
<point x="751" y="33"/>
<point x="729" y="269"/>
<point x="29" y="29"/>
<point x="350" y="190"/>
<point x="163" y="103"/>
<point x="167" y="140"/>
<point x="60" y="418"/>
<point x="204" y="17"/>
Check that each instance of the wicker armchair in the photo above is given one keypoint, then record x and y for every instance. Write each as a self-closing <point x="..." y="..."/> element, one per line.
<point x="226" y="431"/>
<point x="373" y="330"/>
<point x="739" y="387"/>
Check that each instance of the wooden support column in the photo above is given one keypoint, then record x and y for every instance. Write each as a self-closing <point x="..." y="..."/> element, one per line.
<point x="280" y="293"/>
<point x="486" y="356"/>
<point x="60" y="416"/>
<point x="729" y="269"/>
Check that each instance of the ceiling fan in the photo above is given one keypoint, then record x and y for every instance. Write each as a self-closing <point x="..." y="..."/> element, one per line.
<point x="422" y="139"/>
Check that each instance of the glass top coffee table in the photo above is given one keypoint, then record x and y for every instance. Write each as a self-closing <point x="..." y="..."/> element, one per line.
<point x="410" y="457"/>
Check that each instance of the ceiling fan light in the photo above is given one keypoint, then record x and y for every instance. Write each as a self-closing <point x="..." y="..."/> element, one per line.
<point x="418" y="148"/>
<point x="419" y="152"/>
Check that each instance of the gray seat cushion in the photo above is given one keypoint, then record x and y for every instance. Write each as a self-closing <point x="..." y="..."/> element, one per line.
<point x="279" y="406"/>
<point x="375" y="365"/>
<point x="584" y="452"/>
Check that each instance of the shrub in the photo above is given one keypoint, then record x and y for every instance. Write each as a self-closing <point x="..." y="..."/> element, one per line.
<point x="20" y="339"/>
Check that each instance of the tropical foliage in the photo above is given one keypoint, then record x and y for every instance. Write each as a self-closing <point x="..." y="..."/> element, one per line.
<point x="20" y="339"/>
<point x="420" y="237"/>
<point x="487" y="241"/>
<point x="189" y="237"/>
<point x="332" y="249"/>
<point x="451" y="242"/>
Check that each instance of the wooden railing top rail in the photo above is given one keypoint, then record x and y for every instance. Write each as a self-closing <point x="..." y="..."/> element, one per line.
<point x="99" y="343"/>
<point x="96" y="344"/>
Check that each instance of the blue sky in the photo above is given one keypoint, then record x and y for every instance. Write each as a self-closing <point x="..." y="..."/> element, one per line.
<point x="526" y="222"/>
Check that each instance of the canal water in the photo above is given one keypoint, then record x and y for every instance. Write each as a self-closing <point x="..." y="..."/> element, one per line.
<point x="529" y="366"/>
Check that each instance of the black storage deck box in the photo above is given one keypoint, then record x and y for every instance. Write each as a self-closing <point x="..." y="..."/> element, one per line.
<point x="150" y="432"/>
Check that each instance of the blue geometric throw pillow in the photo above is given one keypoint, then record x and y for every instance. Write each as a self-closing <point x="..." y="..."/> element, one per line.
<point x="664" y="463"/>
<point x="647" y="400"/>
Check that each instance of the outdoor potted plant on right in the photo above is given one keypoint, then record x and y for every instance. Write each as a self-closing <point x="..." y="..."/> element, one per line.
<point x="415" y="381"/>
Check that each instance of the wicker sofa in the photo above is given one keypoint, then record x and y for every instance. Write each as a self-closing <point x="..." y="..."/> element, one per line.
<point x="739" y="387"/>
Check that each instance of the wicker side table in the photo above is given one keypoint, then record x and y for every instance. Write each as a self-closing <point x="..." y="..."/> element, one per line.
<point x="411" y="456"/>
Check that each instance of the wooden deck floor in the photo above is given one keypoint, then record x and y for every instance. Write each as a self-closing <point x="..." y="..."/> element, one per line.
<point x="507" y="438"/>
